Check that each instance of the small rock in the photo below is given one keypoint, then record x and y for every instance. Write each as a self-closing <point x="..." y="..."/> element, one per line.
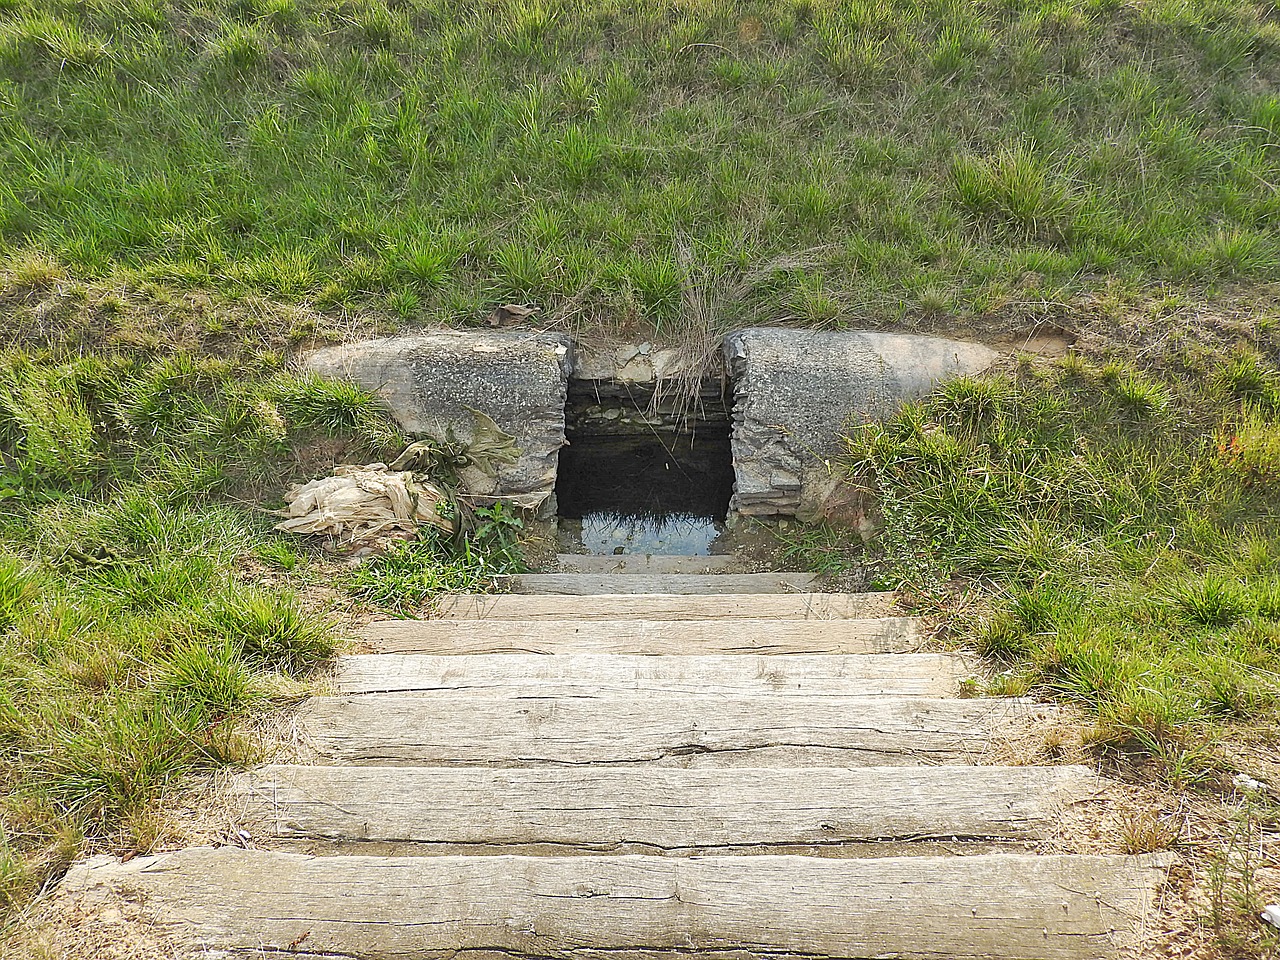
<point x="1271" y="914"/>
<point x="1246" y="783"/>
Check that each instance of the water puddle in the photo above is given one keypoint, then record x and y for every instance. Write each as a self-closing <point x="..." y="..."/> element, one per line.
<point x="646" y="492"/>
<point x="679" y="534"/>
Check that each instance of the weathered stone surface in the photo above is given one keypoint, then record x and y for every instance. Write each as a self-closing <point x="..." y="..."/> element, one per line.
<point x="797" y="391"/>
<point x="634" y="363"/>
<point x="432" y="381"/>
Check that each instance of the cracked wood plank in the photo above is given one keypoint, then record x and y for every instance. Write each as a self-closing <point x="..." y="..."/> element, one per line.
<point x="779" y="606"/>
<point x="431" y="908"/>
<point x="914" y="674"/>
<point x="669" y="809"/>
<point x="593" y="584"/>
<point x="644" y="563"/>
<point x="640" y="636"/>
<point x="480" y="727"/>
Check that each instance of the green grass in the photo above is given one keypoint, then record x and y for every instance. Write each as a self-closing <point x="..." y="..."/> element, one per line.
<point x="145" y="604"/>
<point x="1124" y="525"/>
<point x="411" y="575"/>
<point x="132" y="634"/>
<point x="191" y="192"/>
<point x="827" y="163"/>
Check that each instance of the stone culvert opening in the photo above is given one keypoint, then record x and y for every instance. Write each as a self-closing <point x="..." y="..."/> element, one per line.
<point x="642" y="471"/>
<point x="639" y="476"/>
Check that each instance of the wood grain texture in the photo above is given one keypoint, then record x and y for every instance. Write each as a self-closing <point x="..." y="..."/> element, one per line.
<point x="678" y="584"/>
<point x="780" y="606"/>
<point x="644" y="563"/>
<point x="808" y="675"/>
<point x="481" y="727"/>
<point x="638" y="636"/>
<point x="1009" y="906"/>
<point x="607" y="808"/>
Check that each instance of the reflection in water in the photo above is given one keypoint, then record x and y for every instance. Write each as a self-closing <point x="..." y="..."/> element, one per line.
<point x="645" y="493"/>
<point x="608" y="532"/>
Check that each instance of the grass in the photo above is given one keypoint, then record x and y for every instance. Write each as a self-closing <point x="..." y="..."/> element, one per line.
<point x="132" y="635"/>
<point x="146" y="607"/>
<point x="1124" y="525"/>
<point x="118" y="680"/>
<point x="423" y="162"/>
<point x="192" y="193"/>
<point x="410" y="576"/>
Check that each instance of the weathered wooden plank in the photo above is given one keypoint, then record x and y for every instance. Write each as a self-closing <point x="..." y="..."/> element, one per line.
<point x="643" y="563"/>
<point x="608" y="807"/>
<point x="481" y="727"/>
<point x="786" y="606"/>
<point x="674" y="584"/>
<point x="1009" y="906"/>
<point x="638" y="636"/>
<point x="809" y="675"/>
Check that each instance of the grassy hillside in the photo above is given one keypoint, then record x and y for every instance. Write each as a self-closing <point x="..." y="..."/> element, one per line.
<point x="190" y="191"/>
<point x="815" y="162"/>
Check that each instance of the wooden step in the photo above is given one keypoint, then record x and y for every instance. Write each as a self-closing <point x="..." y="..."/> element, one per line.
<point x="638" y="636"/>
<point x="1007" y="906"/>
<point x="675" y="584"/>
<point x="912" y="674"/>
<point x="670" y="809"/>
<point x="790" y="606"/>
<point x="643" y="563"/>
<point x="483" y="727"/>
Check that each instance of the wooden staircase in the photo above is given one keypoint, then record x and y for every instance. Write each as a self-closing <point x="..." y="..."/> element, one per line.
<point x="645" y="762"/>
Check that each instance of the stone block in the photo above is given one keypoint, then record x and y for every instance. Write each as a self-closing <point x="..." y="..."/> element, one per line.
<point x="797" y="392"/>
<point x="432" y="381"/>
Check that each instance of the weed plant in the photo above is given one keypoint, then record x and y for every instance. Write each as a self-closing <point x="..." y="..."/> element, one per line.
<point x="413" y="574"/>
<point x="819" y="162"/>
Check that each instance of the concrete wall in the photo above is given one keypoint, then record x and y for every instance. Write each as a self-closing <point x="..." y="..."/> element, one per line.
<point x="432" y="382"/>
<point x="795" y="393"/>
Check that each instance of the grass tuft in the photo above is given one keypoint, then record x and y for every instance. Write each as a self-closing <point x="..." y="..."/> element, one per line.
<point x="1211" y="601"/>
<point x="17" y="589"/>
<point x="1246" y="378"/>
<point x="214" y="677"/>
<point x="1018" y="187"/>
<point x="411" y="575"/>
<point x="270" y="631"/>
<point x="334" y="407"/>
